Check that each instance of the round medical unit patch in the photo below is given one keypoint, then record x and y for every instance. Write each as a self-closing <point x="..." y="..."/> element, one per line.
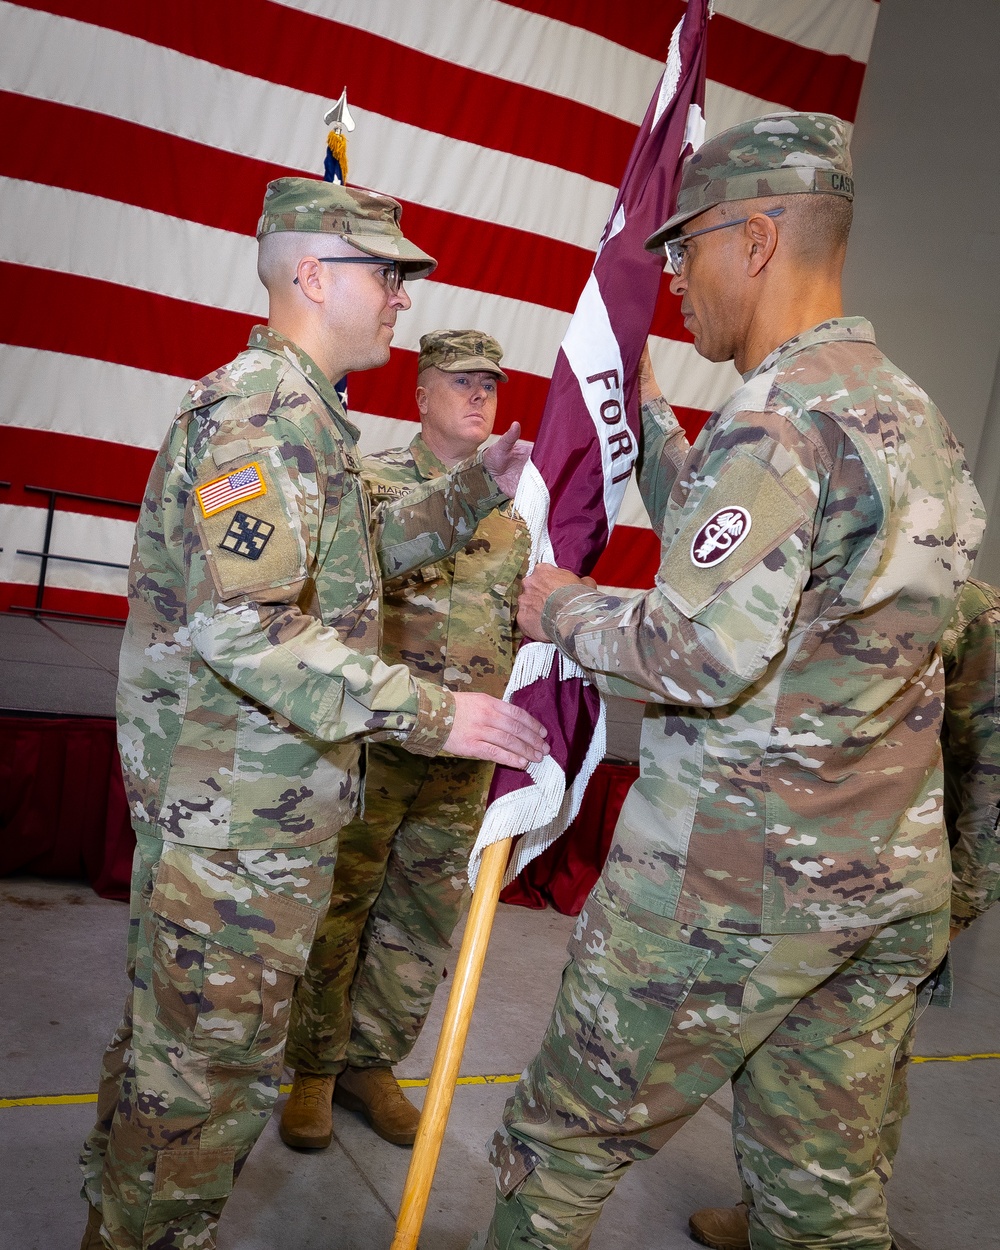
<point x="719" y="537"/>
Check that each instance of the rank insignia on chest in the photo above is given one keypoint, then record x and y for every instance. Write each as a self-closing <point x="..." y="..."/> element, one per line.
<point x="247" y="536"/>
<point x="232" y="488"/>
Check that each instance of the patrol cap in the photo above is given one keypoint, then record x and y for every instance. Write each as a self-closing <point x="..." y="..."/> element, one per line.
<point x="365" y="219"/>
<point x="780" y="154"/>
<point x="461" y="351"/>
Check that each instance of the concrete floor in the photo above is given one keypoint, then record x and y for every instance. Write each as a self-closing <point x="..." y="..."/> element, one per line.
<point x="61" y="991"/>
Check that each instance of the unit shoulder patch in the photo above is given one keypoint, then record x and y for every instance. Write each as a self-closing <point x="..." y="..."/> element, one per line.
<point x="747" y="513"/>
<point x="719" y="537"/>
<point x="247" y="536"/>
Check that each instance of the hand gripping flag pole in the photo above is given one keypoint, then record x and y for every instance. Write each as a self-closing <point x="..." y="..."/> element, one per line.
<point x="569" y="496"/>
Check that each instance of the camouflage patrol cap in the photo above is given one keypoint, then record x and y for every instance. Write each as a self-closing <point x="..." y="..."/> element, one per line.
<point x="365" y="219"/>
<point x="780" y="154"/>
<point x="461" y="351"/>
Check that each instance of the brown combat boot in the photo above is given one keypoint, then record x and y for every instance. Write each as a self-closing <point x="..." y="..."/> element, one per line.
<point x="722" y="1228"/>
<point x="376" y="1094"/>
<point x="307" y="1117"/>
<point x="92" y="1233"/>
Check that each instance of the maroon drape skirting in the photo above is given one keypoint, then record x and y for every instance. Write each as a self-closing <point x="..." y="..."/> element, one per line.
<point x="62" y="802"/>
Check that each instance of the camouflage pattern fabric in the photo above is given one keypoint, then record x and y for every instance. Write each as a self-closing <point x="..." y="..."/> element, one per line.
<point x="778" y="884"/>
<point x="780" y="154"/>
<point x="367" y="220"/>
<point x="971" y="743"/>
<point x="216" y="942"/>
<point x="271" y="601"/>
<point x="460" y="351"/>
<point x="816" y="538"/>
<point x="406" y="860"/>
<point x="250" y="672"/>
<point x="653" y="1016"/>
<point x="400" y="887"/>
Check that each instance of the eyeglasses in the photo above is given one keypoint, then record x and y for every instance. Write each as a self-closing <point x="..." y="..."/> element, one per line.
<point x="676" y="249"/>
<point x="390" y="271"/>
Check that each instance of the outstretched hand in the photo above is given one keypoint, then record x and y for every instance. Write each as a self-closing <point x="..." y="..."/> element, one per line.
<point x="506" y="458"/>
<point x="489" y="729"/>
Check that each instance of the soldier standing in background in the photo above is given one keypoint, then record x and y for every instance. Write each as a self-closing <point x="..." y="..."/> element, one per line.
<point x="250" y="673"/>
<point x="779" y="883"/>
<point x="406" y="859"/>
<point x="970" y="744"/>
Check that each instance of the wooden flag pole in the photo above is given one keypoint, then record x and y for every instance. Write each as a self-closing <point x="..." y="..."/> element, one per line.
<point x="451" y="1045"/>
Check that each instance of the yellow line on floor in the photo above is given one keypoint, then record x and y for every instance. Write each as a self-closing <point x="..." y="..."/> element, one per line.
<point x="950" y="1058"/>
<point x="64" y="1100"/>
<point x="489" y="1078"/>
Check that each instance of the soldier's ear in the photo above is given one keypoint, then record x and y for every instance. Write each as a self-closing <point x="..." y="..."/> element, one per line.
<point x="308" y="273"/>
<point x="421" y="398"/>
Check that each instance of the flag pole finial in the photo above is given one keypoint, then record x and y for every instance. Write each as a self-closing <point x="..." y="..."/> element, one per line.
<point x="339" y="117"/>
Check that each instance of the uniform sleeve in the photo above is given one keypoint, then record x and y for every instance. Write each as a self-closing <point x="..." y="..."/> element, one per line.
<point x="972" y="767"/>
<point x="664" y="449"/>
<point x="735" y="558"/>
<point x="436" y="518"/>
<point x="251" y="588"/>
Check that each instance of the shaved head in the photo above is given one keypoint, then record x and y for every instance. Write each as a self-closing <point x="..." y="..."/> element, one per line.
<point x="279" y="253"/>
<point x="815" y="226"/>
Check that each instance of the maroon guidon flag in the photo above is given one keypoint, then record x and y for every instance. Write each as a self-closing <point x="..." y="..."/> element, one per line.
<point x="587" y="444"/>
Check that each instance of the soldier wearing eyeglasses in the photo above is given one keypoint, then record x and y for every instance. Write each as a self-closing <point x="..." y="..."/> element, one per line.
<point x="250" y="678"/>
<point x="778" y="886"/>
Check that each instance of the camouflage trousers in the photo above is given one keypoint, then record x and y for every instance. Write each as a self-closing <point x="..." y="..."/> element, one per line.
<point x="398" y="893"/>
<point x="216" y="942"/>
<point x="653" y="1016"/>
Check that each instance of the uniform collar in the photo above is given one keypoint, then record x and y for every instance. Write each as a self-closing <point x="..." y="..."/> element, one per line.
<point x="837" y="329"/>
<point x="263" y="338"/>
<point x="427" y="464"/>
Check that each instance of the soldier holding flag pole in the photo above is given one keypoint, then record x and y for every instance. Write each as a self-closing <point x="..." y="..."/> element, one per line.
<point x="779" y="884"/>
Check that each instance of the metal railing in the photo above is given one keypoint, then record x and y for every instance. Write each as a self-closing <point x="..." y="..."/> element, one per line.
<point x="46" y="554"/>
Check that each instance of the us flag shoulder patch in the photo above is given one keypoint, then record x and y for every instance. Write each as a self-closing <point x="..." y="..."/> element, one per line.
<point x="223" y="492"/>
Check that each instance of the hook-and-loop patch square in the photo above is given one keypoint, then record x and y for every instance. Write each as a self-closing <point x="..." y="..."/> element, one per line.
<point x="247" y="536"/>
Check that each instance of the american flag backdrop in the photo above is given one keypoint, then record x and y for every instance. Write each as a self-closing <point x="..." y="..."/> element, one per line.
<point x="139" y="139"/>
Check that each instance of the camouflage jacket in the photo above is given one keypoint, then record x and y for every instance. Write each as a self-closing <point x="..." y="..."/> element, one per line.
<point x="971" y="743"/>
<point x="451" y="622"/>
<point x="253" y="639"/>
<point x="815" y="539"/>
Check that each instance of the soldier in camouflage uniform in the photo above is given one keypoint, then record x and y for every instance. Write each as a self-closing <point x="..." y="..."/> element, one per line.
<point x="970" y="649"/>
<point x="250" y="672"/>
<point x="404" y="864"/>
<point x="778" y="884"/>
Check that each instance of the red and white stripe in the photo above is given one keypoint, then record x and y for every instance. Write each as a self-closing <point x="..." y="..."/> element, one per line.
<point x="139" y="139"/>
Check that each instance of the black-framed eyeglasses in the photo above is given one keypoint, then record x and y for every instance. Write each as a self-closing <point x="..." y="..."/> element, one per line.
<point x="390" y="271"/>
<point x="677" y="248"/>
